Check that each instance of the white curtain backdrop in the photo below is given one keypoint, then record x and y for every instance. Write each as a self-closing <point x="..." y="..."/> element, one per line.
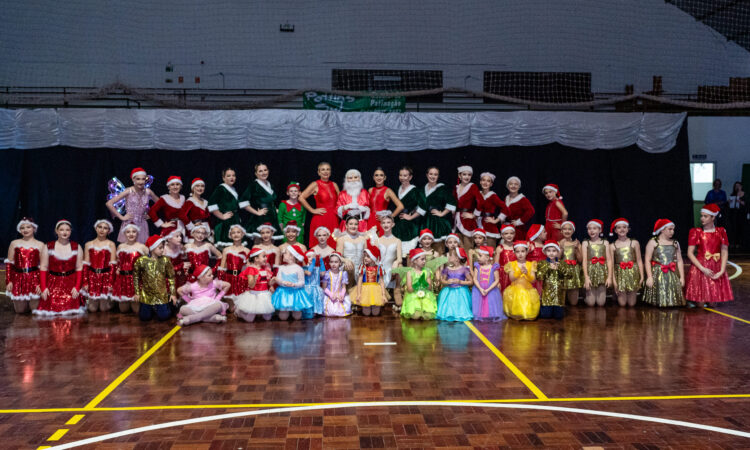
<point x="272" y="129"/>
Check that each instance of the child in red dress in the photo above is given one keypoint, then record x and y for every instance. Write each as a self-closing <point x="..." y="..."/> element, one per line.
<point x="22" y="275"/>
<point x="100" y="262"/>
<point x="707" y="280"/>
<point x="505" y="253"/>
<point x="555" y="214"/>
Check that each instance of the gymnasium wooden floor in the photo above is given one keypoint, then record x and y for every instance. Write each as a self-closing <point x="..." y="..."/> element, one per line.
<point x="638" y="378"/>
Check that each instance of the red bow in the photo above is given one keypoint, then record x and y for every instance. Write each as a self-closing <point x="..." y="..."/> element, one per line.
<point x="599" y="260"/>
<point x="626" y="265"/>
<point x="668" y="267"/>
<point x="571" y="262"/>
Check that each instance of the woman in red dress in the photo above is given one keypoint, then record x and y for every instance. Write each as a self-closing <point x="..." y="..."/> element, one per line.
<point x="707" y="280"/>
<point x="123" y="290"/>
<point x="325" y="192"/>
<point x="467" y="198"/>
<point x="520" y="210"/>
<point x="380" y="197"/>
<point x="99" y="260"/>
<point x="491" y="211"/>
<point x="61" y="276"/>
<point x="555" y="214"/>
<point x="195" y="209"/>
<point x="22" y="276"/>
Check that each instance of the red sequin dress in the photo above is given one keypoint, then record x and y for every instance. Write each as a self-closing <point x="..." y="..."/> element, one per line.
<point x="378" y="202"/>
<point x="553" y="216"/>
<point x="325" y="198"/>
<point x="197" y="257"/>
<point x="23" y="272"/>
<point x="231" y="273"/>
<point x="505" y="257"/>
<point x="98" y="273"/>
<point x="699" y="287"/>
<point x="178" y="263"/>
<point x="61" y="279"/>
<point x="123" y="289"/>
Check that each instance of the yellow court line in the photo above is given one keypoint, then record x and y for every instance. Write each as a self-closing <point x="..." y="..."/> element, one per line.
<point x="344" y="404"/>
<point x="524" y="379"/>
<point x="58" y="434"/>
<point x="727" y="315"/>
<point x="75" y="419"/>
<point x="113" y="385"/>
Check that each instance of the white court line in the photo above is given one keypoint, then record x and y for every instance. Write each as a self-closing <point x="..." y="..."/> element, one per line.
<point x="380" y="343"/>
<point x="592" y="412"/>
<point x="737" y="271"/>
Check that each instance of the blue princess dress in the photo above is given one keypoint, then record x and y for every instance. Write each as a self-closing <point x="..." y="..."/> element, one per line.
<point x="454" y="301"/>
<point x="287" y="298"/>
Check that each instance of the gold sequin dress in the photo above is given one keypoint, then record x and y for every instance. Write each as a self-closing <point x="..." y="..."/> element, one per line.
<point x="627" y="276"/>
<point x="666" y="291"/>
<point x="154" y="280"/>
<point x="597" y="255"/>
<point x="575" y="280"/>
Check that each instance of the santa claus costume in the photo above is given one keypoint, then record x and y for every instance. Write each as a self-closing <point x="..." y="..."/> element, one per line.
<point x="353" y="201"/>
<point x="703" y="284"/>
<point x="491" y="212"/>
<point x="520" y="210"/>
<point x="61" y="279"/>
<point x="165" y="213"/>
<point x="199" y="251"/>
<point x="467" y="197"/>
<point x="22" y="275"/>
<point x="194" y="211"/>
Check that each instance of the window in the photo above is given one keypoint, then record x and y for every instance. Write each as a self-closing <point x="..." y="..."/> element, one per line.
<point x="702" y="176"/>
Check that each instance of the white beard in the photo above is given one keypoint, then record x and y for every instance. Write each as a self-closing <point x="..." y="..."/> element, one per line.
<point x="353" y="188"/>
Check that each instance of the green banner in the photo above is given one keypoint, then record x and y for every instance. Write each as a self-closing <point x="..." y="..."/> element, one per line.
<point x="331" y="102"/>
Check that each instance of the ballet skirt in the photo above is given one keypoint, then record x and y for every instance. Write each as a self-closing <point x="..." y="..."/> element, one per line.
<point x="286" y="298"/>
<point x="422" y="299"/>
<point x="201" y="298"/>
<point x="454" y="300"/>
<point x="258" y="299"/>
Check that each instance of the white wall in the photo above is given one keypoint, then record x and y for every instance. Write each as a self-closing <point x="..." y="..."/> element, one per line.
<point x="97" y="42"/>
<point x="724" y="140"/>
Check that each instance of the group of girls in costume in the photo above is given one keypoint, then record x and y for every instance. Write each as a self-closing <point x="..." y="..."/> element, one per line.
<point x="448" y="254"/>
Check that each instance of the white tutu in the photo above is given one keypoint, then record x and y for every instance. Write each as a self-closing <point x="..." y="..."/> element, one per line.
<point x="254" y="302"/>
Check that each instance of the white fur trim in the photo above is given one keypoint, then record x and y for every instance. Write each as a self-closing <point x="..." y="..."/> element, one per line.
<point x="135" y="174"/>
<point x="159" y="223"/>
<point x="659" y="230"/>
<point x="536" y="235"/>
<point x="590" y="222"/>
<point x="511" y="179"/>
<point x="199" y="226"/>
<point x="462" y="169"/>
<point x="551" y="188"/>
<point x="67" y="312"/>
<point x="568" y="222"/>
<point x="298" y="256"/>
<point x="321" y="228"/>
<point x="131" y="225"/>
<point x="292" y="227"/>
<point x="244" y="204"/>
<point x="236" y="225"/>
<point x="193" y="200"/>
<point x="230" y="189"/>
<point x="26" y="222"/>
<point x="238" y="254"/>
<point x="709" y="212"/>
<point x="126" y="251"/>
<point x="401" y="193"/>
<point x="521" y="244"/>
<point x="264" y="226"/>
<point x="63" y="222"/>
<point x="266" y="185"/>
<point x="204" y="271"/>
<point x="461" y="191"/>
<point x="176" y="204"/>
<point x="420" y="211"/>
<point x="551" y="245"/>
<point x="109" y="224"/>
<point x="212" y="208"/>
<point x="517" y="198"/>
<point x="174" y="181"/>
<point x="451" y="208"/>
<point x="21" y="298"/>
<point x="198" y="251"/>
<point x="488" y="174"/>
<point x="73" y="254"/>
<point x="157" y="243"/>
<point x="428" y="191"/>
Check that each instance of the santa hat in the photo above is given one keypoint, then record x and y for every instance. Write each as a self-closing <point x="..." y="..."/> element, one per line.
<point x="460" y="252"/>
<point x="507" y="226"/>
<point x="552" y="187"/>
<point x="201" y="226"/>
<point x="619" y="221"/>
<point x="534" y="232"/>
<point x="27" y="221"/>
<point x="523" y="244"/>
<point x="321" y="228"/>
<point x="550" y="243"/>
<point x="479" y="231"/>
<point x="453" y="236"/>
<point x="171" y="230"/>
<point x="109" y="224"/>
<point x="489" y="175"/>
<point x="291" y="185"/>
<point x="597" y="222"/>
<point x="292" y="224"/>
<point x="463" y="169"/>
<point x="196" y="182"/>
<point x="264" y="226"/>
<point x="137" y="171"/>
<point x="568" y="222"/>
<point x="200" y="270"/>
<point x="486" y="250"/>
<point x="661" y="224"/>
<point x="63" y="222"/>
<point x="425" y="233"/>
<point x="297" y="252"/>
<point x="416" y="253"/>
<point x="514" y="178"/>
<point x="373" y="252"/>
<point x="255" y="251"/>
<point x="130" y="225"/>
<point x="236" y="225"/>
<point x="174" y="179"/>
<point x="710" y="209"/>
<point x="154" y="241"/>
<point x="337" y="255"/>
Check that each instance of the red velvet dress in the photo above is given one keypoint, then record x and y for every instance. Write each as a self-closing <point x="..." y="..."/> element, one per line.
<point x="505" y="257"/>
<point x="325" y="198"/>
<point x="232" y="271"/>
<point x="23" y="272"/>
<point x="196" y="257"/>
<point x="61" y="279"/>
<point x="378" y="202"/>
<point x="536" y="254"/>
<point x="519" y="209"/>
<point x="178" y="263"/>
<point x="699" y="287"/>
<point x="552" y="216"/>
<point x="167" y="209"/>
<point x="98" y="273"/>
<point x="123" y="289"/>
<point x="467" y="200"/>
<point x="192" y="214"/>
<point x="490" y="205"/>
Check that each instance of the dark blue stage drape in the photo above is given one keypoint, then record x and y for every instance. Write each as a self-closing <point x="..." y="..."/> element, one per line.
<point x="62" y="182"/>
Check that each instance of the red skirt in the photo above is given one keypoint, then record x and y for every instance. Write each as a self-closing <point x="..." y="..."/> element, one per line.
<point x="237" y="284"/>
<point x="700" y="288"/>
<point x="25" y="285"/>
<point x="123" y="289"/>
<point x="99" y="285"/>
<point x="60" y="301"/>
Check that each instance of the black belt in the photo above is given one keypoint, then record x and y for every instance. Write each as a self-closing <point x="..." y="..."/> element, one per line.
<point x="102" y="270"/>
<point x="233" y="272"/>
<point x="465" y="210"/>
<point x="126" y="272"/>
<point x="488" y="214"/>
<point x="25" y="270"/>
<point x="62" y="274"/>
